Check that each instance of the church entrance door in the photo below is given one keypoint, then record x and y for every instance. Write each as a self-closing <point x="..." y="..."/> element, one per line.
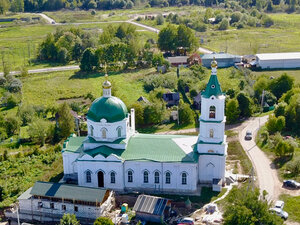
<point x="100" y="179"/>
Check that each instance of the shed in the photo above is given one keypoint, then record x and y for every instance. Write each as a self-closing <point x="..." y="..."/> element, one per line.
<point x="152" y="209"/>
<point x="223" y="59"/>
<point x="278" y="60"/>
<point x="171" y="98"/>
<point x="178" y="60"/>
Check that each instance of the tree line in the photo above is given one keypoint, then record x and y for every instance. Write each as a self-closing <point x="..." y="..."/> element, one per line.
<point x="50" y="5"/>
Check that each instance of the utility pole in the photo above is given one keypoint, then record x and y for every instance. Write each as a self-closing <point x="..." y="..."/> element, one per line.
<point x="262" y="100"/>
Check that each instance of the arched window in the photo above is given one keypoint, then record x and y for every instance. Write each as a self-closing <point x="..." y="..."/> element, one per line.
<point x="130" y="177"/>
<point x="112" y="177"/>
<point x="168" y="178"/>
<point x="211" y="133"/>
<point x="103" y="133"/>
<point x="119" y="131"/>
<point x="183" y="178"/>
<point x="156" y="177"/>
<point x="88" y="177"/>
<point x="146" y="177"/>
<point x="212" y="112"/>
<point x="91" y="130"/>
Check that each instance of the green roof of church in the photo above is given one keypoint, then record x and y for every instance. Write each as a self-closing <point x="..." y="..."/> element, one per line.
<point x="143" y="147"/>
<point x="213" y="87"/>
<point x="110" y="108"/>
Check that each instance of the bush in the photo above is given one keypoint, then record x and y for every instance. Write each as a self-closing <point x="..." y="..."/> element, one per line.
<point x="69" y="219"/>
<point x="2" y="81"/>
<point x="103" y="221"/>
<point x="12" y="125"/>
<point x="186" y="115"/>
<point x="26" y="114"/>
<point x="11" y="101"/>
<point x="294" y="166"/>
<point x="160" y="20"/>
<point x="267" y="21"/>
<point x="15" y="85"/>
<point x="224" y="25"/>
<point x="169" y="81"/>
<point x="93" y="12"/>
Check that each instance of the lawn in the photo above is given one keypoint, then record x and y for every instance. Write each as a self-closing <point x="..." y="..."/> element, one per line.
<point x="48" y="88"/>
<point x="283" y="36"/>
<point x="292" y="206"/>
<point x="295" y="73"/>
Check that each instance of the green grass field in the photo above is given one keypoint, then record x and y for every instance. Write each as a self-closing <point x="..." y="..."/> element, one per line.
<point x="283" y="36"/>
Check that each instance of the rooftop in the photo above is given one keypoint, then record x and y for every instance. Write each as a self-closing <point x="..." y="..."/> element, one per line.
<point x="150" y="204"/>
<point x="218" y="56"/>
<point x="147" y="147"/>
<point x="279" y="56"/>
<point x="67" y="191"/>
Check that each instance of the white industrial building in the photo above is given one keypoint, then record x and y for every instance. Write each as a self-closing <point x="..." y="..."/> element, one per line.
<point x="278" y="60"/>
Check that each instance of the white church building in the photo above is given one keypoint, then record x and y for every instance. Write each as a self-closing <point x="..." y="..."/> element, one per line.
<point x="116" y="157"/>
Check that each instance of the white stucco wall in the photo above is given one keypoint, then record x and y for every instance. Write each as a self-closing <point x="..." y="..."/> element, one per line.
<point x="218" y="132"/>
<point x="212" y="148"/>
<point x="211" y="166"/>
<point x="69" y="162"/>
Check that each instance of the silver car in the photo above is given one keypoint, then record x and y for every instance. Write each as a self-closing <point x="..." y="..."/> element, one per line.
<point x="279" y="212"/>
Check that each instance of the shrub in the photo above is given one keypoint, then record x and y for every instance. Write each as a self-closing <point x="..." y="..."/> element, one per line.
<point x="294" y="166"/>
<point x="15" y="85"/>
<point x="103" y="221"/>
<point x="2" y="81"/>
<point x="26" y="114"/>
<point x="267" y="21"/>
<point x="224" y="25"/>
<point x="93" y="12"/>
<point x="160" y="20"/>
<point x="12" y="125"/>
<point x="185" y="113"/>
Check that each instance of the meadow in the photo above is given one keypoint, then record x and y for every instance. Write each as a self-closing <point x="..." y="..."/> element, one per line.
<point x="283" y="36"/>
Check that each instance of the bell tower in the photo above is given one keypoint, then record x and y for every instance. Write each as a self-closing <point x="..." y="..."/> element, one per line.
<point x="211" y="144"/>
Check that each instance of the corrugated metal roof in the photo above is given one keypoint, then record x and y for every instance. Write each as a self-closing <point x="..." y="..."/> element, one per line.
<point x="67" y="191"/>
<point x="278" y="56"/>
<point x="150" y="204"/>
<point x="219" y="56"/>
<point x="178" y="59"/>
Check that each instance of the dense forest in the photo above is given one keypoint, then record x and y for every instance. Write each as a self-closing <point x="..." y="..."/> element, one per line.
<point x="50" y="5"/>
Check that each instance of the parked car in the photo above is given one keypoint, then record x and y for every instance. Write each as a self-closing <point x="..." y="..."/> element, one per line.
<point x="248" y="135"/>
<point x="185" y="220"/>
<point x="279" y="212"/>
<point x="279" y="204"/>
<point x="291" y="184"/>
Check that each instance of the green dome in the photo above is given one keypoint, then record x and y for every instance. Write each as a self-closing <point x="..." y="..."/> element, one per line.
<point x="112" y="109"/>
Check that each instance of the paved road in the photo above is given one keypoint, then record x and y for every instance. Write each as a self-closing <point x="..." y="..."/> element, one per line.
<point x="266" y="174"/>
<point x="46" y="70"/>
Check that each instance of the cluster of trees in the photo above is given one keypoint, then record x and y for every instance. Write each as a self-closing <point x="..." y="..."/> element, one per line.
<point x="70" y="219"/>
<point x="40" y="128"/>
<point x="119" y="49"/>
<point x="171" y="38"/>
<point x="65" y="45"/>
<point x="245" y="207"/>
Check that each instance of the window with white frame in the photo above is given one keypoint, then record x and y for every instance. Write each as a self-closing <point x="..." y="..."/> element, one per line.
<point x="183" y="178"/>
<point x="88" y="176"/>
<point x="119" y="131"/>
<point x="156" y="177"/>
<point x="112" y="177"/>
<point x="146" y="177"/>
<point x="130" y="177"/>
<point x="168" y="178"/>
<point x="212" y="112"/>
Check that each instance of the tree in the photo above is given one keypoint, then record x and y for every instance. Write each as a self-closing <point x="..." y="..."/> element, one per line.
<point x="103" y="221"/>
<point x="235" y="17"/>
<point x="17" y="6"/>
<point x="272" y="124"/>
<point x="245" y="104"/>
<point x="245" y="208"/>
<point x="15" y="85"/>
<point x="38" y="130"/>
<point x="69" y="219"/>
<point x="185" y="38"/>
<point x="167" y="38"/>
<point x="280" y="109"/>
<point x="65" y="120"/>
<point x="185" y="113"/>
<point x="232" y="111"/>
<point x="281" y="85"/>
<point x="160" y="20"/>
<point x="154" y="112"/>
<point x="224" y="25"/>
<point x="88" y="61"/>
<point x="139" y="113"/>
<point x="26" y="114"/>
<point x="4" y="6"/>
<point x="280" y="123"/>
<point x="282" y="148"/>
<point x="12" y="125"/>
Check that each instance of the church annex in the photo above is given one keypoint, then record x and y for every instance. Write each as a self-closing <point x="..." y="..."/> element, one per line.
<point x="115" y="156"/>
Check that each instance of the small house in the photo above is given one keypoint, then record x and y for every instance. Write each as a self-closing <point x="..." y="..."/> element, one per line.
<point x="223" y="59"/>
<point x="152" y="209"/>
<point x="48" y="202"/>
<point x="143" y="99"/>
<point x="172" y="98"/>
<point x="178" y="60"/>
<point x="197" y="101"/>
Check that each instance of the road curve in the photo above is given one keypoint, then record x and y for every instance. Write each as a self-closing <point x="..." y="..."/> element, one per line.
<point x="265" y="172"/>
